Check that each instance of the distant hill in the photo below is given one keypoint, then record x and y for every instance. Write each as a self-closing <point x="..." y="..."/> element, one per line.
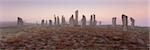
<point x="8" y="24"/>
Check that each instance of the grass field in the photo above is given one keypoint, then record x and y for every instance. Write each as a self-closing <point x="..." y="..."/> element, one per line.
<point x="67" y="38"/>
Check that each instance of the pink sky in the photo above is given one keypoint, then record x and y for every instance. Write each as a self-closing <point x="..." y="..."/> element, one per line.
<point x="35" y="10"/>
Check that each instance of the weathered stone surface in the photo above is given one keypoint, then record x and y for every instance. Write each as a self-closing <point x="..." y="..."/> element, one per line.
<point x="19" y="22"/>
<point x="72" y="21"/>
<point x="125" y="22"/>
<point x="94" y="20"/>
<point x="55" y="20"/>
<point x="114" y="21"/>
<point x="63" y="21"/>
<point x="83" y="21"/>
<point x="50" y="22"/>
<point x="76" y="17"/>
<point x="42" y="22"/>
<point x="91" y="20"/>
<point x="132" y="22"/>
<point x="58" y="21"/>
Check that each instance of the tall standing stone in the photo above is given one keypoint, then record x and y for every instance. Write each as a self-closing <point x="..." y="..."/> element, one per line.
<point x="125" y="22"/>
<point x="71" y="21"/>
<point x="83" y="21"/>
<point x="76" y="17"/>
<point x="19" y="22"/>
<point x="58" y="21"/>
<point x="114" y="21"/>
<point x="94" y="20"/>
<point x="63" y="21"/>
<point x="132" y="22"/>
<point x="55" y="20"/>
<point x="91" y="20"/>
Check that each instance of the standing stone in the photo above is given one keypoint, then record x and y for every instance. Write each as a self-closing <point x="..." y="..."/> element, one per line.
<point x="94" y="20"/>
<point x="55" y="20"/>
<point x="132" y="22"/>
<point x="19" y="22"/>
<point x="71" y="21"/>
<point x="50" y="22"/>
<point x="58" y="22"/>
<point x="76" y="17"/>
<point x="63" y="22"/>
<point x="125" y="22"/>
<point x="46" y="22"/>
<point x="42" y="22"/>
<point x="100" y="22"/>
<point x="91" y="21"/>
<point x="83" y="21"/>
<point x="114" y="21"/>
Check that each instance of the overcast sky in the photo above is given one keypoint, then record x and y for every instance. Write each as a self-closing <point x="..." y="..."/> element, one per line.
<point x="35" y="10"/>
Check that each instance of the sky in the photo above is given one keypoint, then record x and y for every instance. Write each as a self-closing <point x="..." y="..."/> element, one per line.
<point x="35" y="10"/>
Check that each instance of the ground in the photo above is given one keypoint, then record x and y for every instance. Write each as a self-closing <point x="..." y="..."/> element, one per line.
<point x="77" y="38"/>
